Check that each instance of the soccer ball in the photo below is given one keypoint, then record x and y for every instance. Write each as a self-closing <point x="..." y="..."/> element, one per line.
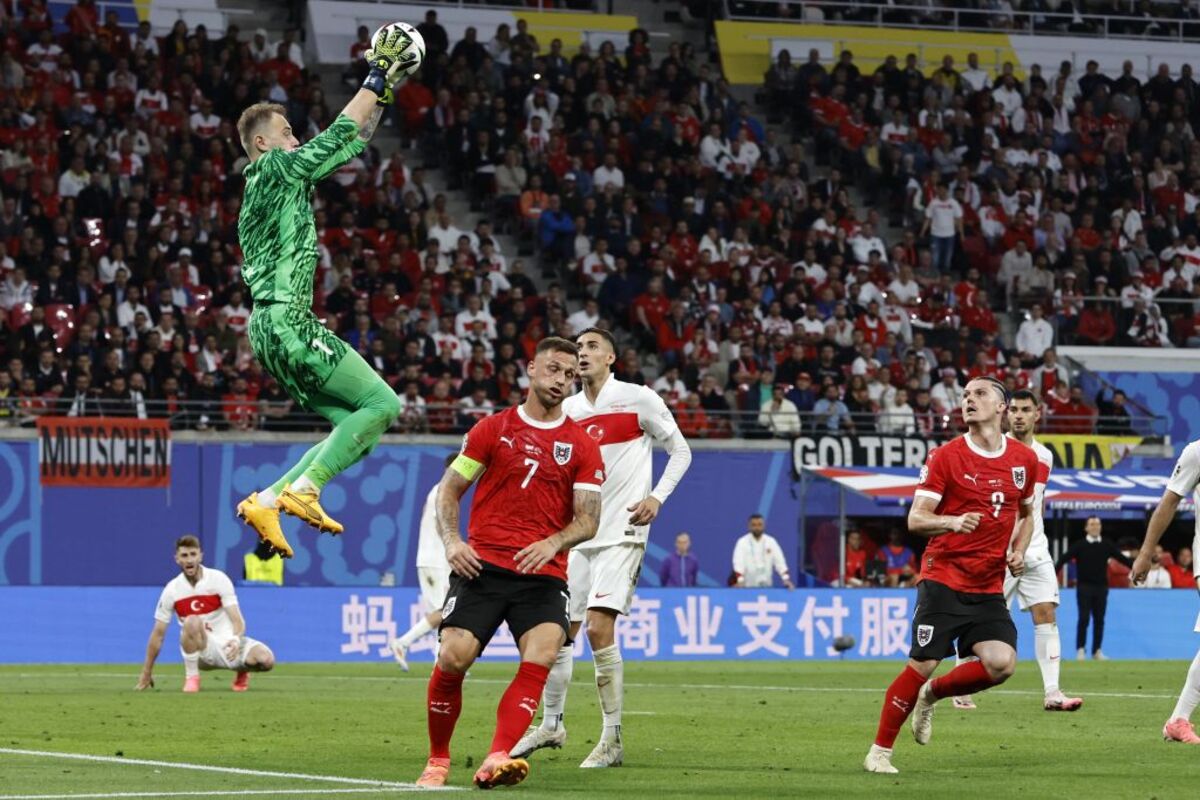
<point x="412" y="53"/>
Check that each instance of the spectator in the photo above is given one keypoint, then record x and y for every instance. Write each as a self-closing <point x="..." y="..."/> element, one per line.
<point x="943" y="222"/>
<point x="1114" y="418"/>
<point x="756" y="555"/>
<point x="901" y="561"/>
<point x="1034" y="337"/>
<point x="780" y="415"/>
<point x="830" y="414"/>
<point x="1159" y="577"/>
<point x="1180" y="570"/>
<point x="1091" y="555"/>
<point x="680" y="569"/>
<point x="856" y="561"/>
<point x="897" y="418"/>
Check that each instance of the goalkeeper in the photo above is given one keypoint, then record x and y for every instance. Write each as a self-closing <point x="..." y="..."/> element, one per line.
<point x="279" y="241"/>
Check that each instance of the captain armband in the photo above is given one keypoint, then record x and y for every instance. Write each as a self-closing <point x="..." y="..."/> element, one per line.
<point x="469" y="468"/>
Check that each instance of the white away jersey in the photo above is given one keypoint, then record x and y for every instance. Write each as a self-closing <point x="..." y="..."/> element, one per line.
<point x="1039" y="546"/>
<point x="1185" y="482"/>
<point x="624" y="420"/>
<point x="209" y="598"/>
<point x="431" y="553"/>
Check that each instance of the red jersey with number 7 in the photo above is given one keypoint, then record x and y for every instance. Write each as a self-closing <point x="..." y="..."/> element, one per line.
<point x="527" y="491"/>
<point x="963" y="478"/>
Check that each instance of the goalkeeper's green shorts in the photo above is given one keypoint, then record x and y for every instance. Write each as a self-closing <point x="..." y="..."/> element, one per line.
<point x="295" y="348"/>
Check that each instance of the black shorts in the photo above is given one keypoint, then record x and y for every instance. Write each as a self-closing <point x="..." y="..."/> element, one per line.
<point x="944" y="616"/>
<point x="498" y="595"/>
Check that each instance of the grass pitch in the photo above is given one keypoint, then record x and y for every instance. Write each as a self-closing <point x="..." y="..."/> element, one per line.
<point x="716" y="729"/>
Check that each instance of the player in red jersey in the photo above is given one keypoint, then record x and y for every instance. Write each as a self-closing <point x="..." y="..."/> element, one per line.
<point x="974" y="491"/>
<point x="538" y="496"/>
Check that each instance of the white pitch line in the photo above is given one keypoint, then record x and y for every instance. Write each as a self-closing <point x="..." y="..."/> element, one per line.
<point x="145" y="762"/>
<point x="746" y="687"/>
<point x="222" y="793"/>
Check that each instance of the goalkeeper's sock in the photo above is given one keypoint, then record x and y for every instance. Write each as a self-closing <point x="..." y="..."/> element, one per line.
<point x="518" y="705"/>
<point x="555" y="695"/>
<point x="445" y="704"/>
<point x="416" y="632"/>
<point x="897" y="705"/>
<point x="294" y="473"/>
<point x="306" y="484"/>
<point x="191" y="664"/>
<point x="1189" y="698"/>
<point x="967" y="678"/>
<point x="267" y="497"/>
<point x="610" y="685"/>
<point x="1048" y="650"/>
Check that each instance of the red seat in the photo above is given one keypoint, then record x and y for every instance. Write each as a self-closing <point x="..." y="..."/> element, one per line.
<point x="19" y="315"/>
<point x="60" y="318"/>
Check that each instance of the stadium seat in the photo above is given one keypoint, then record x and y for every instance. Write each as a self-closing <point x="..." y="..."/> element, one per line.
<point x="60" y="318"/>
<point x="19" y="314"/>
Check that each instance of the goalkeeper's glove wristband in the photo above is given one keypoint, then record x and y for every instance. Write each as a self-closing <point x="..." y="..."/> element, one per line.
<point x="377" y="81"/>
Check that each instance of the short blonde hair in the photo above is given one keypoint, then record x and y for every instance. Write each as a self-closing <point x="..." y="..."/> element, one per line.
<point x="253" y="118"/>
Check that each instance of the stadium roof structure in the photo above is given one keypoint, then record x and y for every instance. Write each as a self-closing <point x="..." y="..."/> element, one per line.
<point x="1068" y="490"/>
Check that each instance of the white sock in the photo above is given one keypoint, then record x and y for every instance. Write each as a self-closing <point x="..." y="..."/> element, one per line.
<point x="1049" y="653"/>
<point x="266" y="498"/>
<point x="303" y="484"/>
<point x="416" y="632"/>
<point x="610" y="683"/>
<point x="191" y="664"/>
<point x="554" y="696"/>
<point x="1189" y="698"/>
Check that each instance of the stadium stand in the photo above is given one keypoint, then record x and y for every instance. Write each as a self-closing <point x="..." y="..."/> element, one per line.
<point x="724" y="246"/>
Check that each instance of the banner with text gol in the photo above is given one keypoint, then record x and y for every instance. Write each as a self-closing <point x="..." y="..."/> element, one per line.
<point x="104" y="451"/>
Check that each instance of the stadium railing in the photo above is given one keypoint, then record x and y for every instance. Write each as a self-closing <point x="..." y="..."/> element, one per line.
<point x="1037" y="23"/>
<point x="261" y="415"/>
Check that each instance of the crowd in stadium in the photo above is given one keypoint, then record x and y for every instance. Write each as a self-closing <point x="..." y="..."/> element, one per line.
<point x="754" y="295"/>
<point x="1141" y="18"/>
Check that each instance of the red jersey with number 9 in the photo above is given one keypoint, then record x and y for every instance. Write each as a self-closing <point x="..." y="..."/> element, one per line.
<point x="527" y="491"/>
<point x="963" y="478"/>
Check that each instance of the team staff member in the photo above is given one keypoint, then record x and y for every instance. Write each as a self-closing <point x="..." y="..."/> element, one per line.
<point x="1091" y="555"/>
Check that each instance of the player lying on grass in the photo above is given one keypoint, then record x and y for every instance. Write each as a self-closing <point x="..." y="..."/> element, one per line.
<point x="278" y="236"/>
<point x="1037" y="588"/>
<point x="973" y="492"/>
<point x="1184" y="482"/>
<point x="433" y="573"/>
<point x="538" y="495"/>
<point x="212" y="631"/>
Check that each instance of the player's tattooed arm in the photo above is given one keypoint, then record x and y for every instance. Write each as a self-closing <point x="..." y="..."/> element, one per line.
<point x="367" y="129"/>
<point x="583" y="527"/>
<point x="923" y="519"/>
<point x="462" y="557"/>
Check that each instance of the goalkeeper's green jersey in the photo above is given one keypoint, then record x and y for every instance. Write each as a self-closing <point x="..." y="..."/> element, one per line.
<point x="276" y="227"/>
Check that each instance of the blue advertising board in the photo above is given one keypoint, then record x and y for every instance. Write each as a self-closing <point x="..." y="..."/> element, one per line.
<point x="70" y="536"/>
<point x="111" y="624"/>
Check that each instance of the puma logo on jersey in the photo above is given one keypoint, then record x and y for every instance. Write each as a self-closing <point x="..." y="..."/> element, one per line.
<point x="324" y="348"/>
<point x="507" y="441"/>
<point x="974" y="479"/>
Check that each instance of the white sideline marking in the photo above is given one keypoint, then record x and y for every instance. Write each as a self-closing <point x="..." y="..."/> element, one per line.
<point x="146" y="762"/>
<point x="224" y="793"/>
<point x="706" y="686"/>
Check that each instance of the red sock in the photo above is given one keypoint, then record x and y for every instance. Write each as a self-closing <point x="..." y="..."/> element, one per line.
<point x="445" y="704"/>
<point x="518" y="705"/>
<point x="967" y="678"/>
<point x="898" y="704"/>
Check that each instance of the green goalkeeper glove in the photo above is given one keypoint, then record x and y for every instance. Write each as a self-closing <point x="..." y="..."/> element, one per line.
<point x="387" y="60"/>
